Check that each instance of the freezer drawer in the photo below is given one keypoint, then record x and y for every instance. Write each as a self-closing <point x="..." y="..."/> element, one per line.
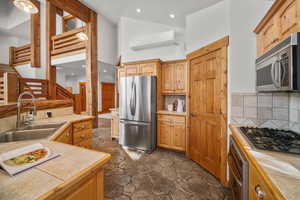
<point x="137" y="135"/>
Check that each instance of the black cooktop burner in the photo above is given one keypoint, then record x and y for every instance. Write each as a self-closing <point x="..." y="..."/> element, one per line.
<point x="273" y="139"/>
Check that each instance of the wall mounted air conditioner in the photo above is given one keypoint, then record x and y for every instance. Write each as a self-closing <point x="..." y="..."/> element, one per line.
<point x="167" y="38"/>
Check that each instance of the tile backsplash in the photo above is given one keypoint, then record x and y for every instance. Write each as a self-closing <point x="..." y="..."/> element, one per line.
<point x="171" y="99"/>
<point x="272" y="110"/>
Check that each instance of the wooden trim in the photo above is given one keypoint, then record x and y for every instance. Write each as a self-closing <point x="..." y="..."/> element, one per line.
<point x="72" y="53"/>
<point x="74" y="7"/>
<point x="271" y="12"/>
<point x="35" y="56"/>
<point x="238" y="138"/>
<point x="11" y="109"/>
<point x="174" y="61"/>
<point x="142" y="62"/>
<point x="50" y="32"/>
<point x="92" y="68"/>
<point x="224" y="42"/>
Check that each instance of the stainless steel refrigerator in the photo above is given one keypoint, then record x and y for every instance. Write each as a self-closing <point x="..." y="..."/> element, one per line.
<point x="137" y="110"/>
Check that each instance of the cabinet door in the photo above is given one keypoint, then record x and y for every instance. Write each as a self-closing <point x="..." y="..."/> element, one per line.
<point x="180" y="77"/>
<point x="132" y="70"/>
<point x="258" y="187"/>
<point x="168" y="78"/>
<point x="178" y="136"/>
<point x="121" y="72"/>
<point x="148" y="69"/>
<point x="164" y="132"/>
<point x="288" y="19"/>
<point x="270" y="35"/>
<point x="66" y="136"/>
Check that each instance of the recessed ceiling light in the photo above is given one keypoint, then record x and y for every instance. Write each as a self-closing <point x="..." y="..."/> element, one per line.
<point x="172" y="16"/>
<point x="138" y="10"/>
<point x="105" y="71"/>
<point x="83" y="66"/>
<point x="26" y="6"/>
<point x="73" y="74"/>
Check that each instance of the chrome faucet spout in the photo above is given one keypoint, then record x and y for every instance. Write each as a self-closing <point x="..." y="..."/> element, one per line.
<point x="19" y="105"/>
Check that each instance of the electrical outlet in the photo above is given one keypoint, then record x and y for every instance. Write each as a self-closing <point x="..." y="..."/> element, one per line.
<point x="49" y="114"/>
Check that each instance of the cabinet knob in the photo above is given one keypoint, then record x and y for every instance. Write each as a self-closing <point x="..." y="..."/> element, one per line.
<point x="193" y="114"/>
<point x="259" y="192"/>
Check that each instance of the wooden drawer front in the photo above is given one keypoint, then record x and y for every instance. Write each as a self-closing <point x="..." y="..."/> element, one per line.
<point x="165" y="118"/>
<point x="288" y="18"/>
<point x="132" y="70"/>
<point x="148" y="69"/>
<point x="86" y="143"/>
<point x="66" y="136"/>
<point x="178" y="119"/>
<point x="79" y="126"/>
<point x="256" y="185"/>
<point x="82" y="135"/>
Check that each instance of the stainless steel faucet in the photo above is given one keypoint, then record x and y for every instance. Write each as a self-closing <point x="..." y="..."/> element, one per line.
<point x="32" y="110"/>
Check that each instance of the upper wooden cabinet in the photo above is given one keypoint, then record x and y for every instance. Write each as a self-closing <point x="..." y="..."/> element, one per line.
<point x="282" y="19"/>
<point x="174" y="77"/>
<point x="142" y="68"/>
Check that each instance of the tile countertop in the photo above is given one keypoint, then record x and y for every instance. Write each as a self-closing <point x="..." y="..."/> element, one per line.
<point x="51" y="175"/>
<point x="283" y="170"/>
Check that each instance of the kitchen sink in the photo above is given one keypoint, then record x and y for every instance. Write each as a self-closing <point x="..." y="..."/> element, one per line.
<point x="31" y="132"/>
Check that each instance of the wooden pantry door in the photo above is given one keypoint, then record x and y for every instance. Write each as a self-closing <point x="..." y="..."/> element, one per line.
<point x="207" y="140"/>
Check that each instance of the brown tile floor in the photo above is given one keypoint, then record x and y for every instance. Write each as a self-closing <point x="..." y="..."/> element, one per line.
<point x="162" y="175"/>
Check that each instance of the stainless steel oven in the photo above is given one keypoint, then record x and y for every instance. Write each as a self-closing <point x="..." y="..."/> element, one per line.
<point x="238" y="172"/>
<point x="279" y="68"/>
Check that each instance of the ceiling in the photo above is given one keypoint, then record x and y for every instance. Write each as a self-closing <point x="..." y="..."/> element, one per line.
<point x="14" y="22"/>
<point x="151" y="10"/>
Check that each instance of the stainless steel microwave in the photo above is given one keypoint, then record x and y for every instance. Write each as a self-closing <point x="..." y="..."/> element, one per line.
<point x="279" y="68"/>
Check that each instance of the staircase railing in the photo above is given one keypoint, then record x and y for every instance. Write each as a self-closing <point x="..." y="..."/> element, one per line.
<point x="68" y="43"/>
<point x="62" y="93"/>
<point x="38" y="87"/>
<point x="20" y="55"/>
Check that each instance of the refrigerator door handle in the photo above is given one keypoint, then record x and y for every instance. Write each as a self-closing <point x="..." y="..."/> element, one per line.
<point x="134" y="123"/>
<point x="133" y="99"/>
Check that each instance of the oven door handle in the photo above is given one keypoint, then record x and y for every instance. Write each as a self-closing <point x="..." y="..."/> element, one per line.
<point x="230" y="158"/>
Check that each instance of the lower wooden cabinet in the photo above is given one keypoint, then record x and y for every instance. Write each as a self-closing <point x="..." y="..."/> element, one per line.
<point x="171" y="132"/>
<point x="66" y="136"/>
<point x="79" y="134"/>
<point x="258" y="189"/>
<point x="91" y="188"/>
<point x="114" y="125"/>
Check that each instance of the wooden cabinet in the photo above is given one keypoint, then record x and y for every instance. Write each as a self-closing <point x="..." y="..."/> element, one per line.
<point x="258" y="189"/>
<point x="91" y="188"/>
<point x="114" y="125"/>
<point x="171" y="132"/>
<point x="66" y="136"/>
<point x="142" y="68"/>
<point x="174" y="77"/>
<point x="83" y="133"/>
<point x="132" y="70"/>
<point x="280" y="21"/>
<point x="78" y="133"/>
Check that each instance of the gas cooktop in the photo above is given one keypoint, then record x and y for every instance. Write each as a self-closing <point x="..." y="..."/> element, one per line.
<point x="273" y="139"/>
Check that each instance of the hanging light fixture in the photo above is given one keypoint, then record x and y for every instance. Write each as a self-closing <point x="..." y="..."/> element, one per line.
<point x="26" y="6"/>
<point x="82" y="35"/>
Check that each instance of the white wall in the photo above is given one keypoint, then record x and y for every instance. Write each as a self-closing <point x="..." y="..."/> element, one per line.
<point x="244" y="17"/>
<point x="107" y="41"/>
<point x="131" y="29"/>
<point x="5" y="43"/>
<point x="207" y="25"/>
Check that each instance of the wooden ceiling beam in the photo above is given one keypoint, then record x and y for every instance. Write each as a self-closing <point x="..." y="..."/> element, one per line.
<point x="73" y="7"/>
